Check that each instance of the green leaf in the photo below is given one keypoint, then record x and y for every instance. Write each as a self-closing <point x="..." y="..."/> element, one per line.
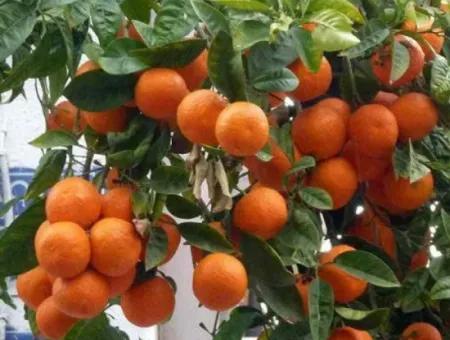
<point x="245" y="5"/>
<point x="49" y="56"/>
<point x="364" y="319"/>
<point x="98" y="328"/>
<point x="241" y="319"/>
<point x="137" y="9"/>
<point x="6" y="206"/>
<point x="47" y="173"/>
<point x="249" y="32"/>
<point x="298" y="331"/>
<point x="263" y="264"/>
<point x="440" y="80"/>
<point x="225" y="68"/>
<point x="332" y="40"/>
<point x="443" y="230"/>
<point x="175" y="54"/>
<point x="265" y="154"/>
<point x="306" y="162"/>
<point x="441" y="289"/>
<point x="99" y="91"/>
<point x="4" y="295"/>
<point x="282" y="80"/>
<point x="316" y="198"/>
<point x="307" y="50"/>
<point x="400" y="61"/>
<point x="321" y="309"/>
<point x="17" y="253"/>
<point x="182" y="207"/>
<point x="413" y="292"/>
<point x="145" y="31"/>
<point x="367" y="44"/>
<point x="175" y="20"/>
<point x="212" y="17"/>
<point x="408" y="165"/>
<point x="16" y="24"/>
<point x="140" y="202"/>
<point x="343" y="6"/>
<point x="169" y="180"/>
<point x="118" y="58"/>
<point x="157" y="246"/>
<point x="106" y="17"/>
<point x="57" y="82"/>
<point x="205" y="237"/>
<point x="368" y="267"/>
<point x="284" y="301"/>
<point x="54" y="138"/>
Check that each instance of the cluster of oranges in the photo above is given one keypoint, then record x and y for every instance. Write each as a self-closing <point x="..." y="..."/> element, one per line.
<point x="88" y="251"/>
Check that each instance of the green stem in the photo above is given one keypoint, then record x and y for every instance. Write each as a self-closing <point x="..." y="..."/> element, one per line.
<point x="87" y="164"/>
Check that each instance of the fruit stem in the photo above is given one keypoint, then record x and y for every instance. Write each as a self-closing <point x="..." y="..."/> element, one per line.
<point x="216" y="321"/>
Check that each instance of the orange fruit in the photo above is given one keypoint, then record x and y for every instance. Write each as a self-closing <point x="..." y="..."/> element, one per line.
<point x="51" y="322"/>
<point x="107" y="121"/>
<point x="337" y="177"/>
<point x="271" y="173"/>
<point x="158" y="93"/>
<point x="374" y="130"/>
<point x="419" y="260"/>
<point x="406" y="195"/>
<point x="195" y="73"/>
<point x="262" y="212"/>
<point x="87" y="67"/>
<point x="118" y="203"/>
<point x="385" y="98"/>
<point x="65" y="116"/>
<point x="115" y="246"/>
<point x="376" y="195"/>
<point x="348" y="333"/>
<point x="120" y="284"/>
<point x="220" y="281"/>
<point x="338" y="105"/>
<point x="197" y="115"/>
<point x="196" y="253"/>
<point x="34" y="286"/>
<point x="312" y="85"/>
<point x="242" y="129"/>
<point x="368" y="168"/>
<point x="432" y="44"/>
<point x="149" y="303"/>
<point x="381" y="62"/>
<point x="346" y="287"/>
<point x="63" y="249"/>
<point x="41" y="230"/>
<point x="421" y="331"/>
<point x="112" y="179"/>
<point x="416" y="115"/>
<point x="374" y="230"/>
<point x="168" y="224"/>
<point x="73" y="199"/>
<point x="303" y="289"/>
<point x="308" y="132"/>
<point x="84" y="296"/>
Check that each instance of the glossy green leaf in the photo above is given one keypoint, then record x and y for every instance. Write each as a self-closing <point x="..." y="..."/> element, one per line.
<point x="225" y="68"/>
<point x="212" y="17"/>
<point x="316" y="198"/>
<point x="321" y="309"/>
<point x="265" y="154"/>
<point x="245" y="5"/>
<point x="263" y="263"/>
<point x="47" y="173"/>
<point x="367" y="266"/>
<point x="205" y="237"/>
<point x="137" y="9"/>
<point x="157" y="246"/>
<point x="17" y="253"/>
<point x="140" y="202"/>
<point x="414" y="291"/>
<point x="17" y="20"/>
<point x="364" y="319"/>
<point x="106" y="17"/>
<point x="241" y="319"/>
<point x="441" y="289"/>
<point x="99" y="91"/>
<point x="407" y="164"/>
<point x="98" y="328"/>
<point x="400" y="61"/>
<point x="367" y="44"/>
<point x="343" y="6"/>
<point x="282" y="80"/>
<point x="306" y="49"/>
<point x="440" y="80"/>
<point x="169" y="180"/>
<point x="249" y="32"/>
<point x="54" y="138"/>
<point x="305" y="163"/>
<point x="118" y="58"/>
<point x="182" y="207"/>
<point x="332" y="40"/>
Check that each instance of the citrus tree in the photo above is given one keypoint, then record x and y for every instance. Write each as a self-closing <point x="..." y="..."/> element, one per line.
<point x="302" y="146"/>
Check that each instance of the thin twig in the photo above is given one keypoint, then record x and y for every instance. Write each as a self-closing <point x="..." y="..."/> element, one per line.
<point x="87" y="164"/>
<point x="216" y="321"/>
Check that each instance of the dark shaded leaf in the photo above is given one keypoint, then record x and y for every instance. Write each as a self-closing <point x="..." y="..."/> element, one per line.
<point x="182" y="207"/>
<point x="364" y="319"/>
<point x="169" y="180"/>
<point x="367" y="44"/>
<point x="316" y="198"/>
<point x="321" y="309"/>
<point x="54" y="138"/>
<point x="98" y="328"/>
<point x="241" y="319"/>
<point x="106" y="17"/>
<point x="157" y="247"/>
<point x="282" y="80"/>
<point x="205" y="237"/>
<point x="118" y="58"/>
<point x="212" y="17"/>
